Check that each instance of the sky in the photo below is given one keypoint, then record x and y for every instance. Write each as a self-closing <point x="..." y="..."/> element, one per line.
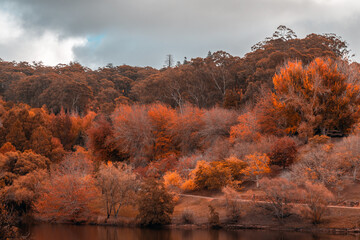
<point x="142" y="32"/>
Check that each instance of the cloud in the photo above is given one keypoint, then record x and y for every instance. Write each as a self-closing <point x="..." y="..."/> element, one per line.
<point x="142" y="32"/>
<point x="20" y="44"/>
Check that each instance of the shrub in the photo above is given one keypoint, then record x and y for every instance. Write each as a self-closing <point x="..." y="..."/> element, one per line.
<point x="214" y="220"/>
<point x="188" y="185"/>
<point x="217" y="174"/>
<point x="187" y="217"/>
<point x="212" y="176"/>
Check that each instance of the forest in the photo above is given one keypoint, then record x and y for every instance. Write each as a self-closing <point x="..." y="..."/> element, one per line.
<point x="123" y="145"/>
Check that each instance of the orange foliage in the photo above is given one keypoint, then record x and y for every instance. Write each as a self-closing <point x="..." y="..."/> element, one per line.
<point x="246" y="130"/>
<point x="314" y="99"/>
<point x="188" y="185"/>
<point x="161" y="118"/>
<point x="217" y="174"/>
<point x="258" y="165"/>
<point x="7" y="147"/>
<point x="71" y="193"/>
<point x="172" y="180"/>
<point x="69" y="198"/>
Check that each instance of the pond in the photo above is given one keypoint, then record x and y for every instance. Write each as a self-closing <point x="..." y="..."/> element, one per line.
<point x="89" y="232"/>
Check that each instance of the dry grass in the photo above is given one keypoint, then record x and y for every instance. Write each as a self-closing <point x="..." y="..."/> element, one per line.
<point x="254" y="215"/>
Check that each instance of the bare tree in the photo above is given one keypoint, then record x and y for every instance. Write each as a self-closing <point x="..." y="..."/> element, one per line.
<point x="280" y="193"/>
<point x="169" y="61"/>
<point x="349" y="151"/>
<point x="118" y="184"/>
<point x="317" y="197"/>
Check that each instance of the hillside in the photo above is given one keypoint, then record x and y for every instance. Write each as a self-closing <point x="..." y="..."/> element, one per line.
<point x="268" y="139"/>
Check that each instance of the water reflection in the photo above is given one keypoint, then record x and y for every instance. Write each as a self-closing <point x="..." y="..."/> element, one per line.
<point x="71" y="232"/>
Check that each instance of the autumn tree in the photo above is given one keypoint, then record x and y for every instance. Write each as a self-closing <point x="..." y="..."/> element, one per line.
<point x="40" y="141"/>
<point x="161" y="117"/>
<point x="202" y="82"/>
<point x="70" y="195"/>
<point x="22" y="163"/>
<point x="315" y="99"/>
<point x="25" y="190"/>
<point x="247" y="128"/>
<point x="16" y="136"/>
<point x="258" y="67"/>
<point x="283" y="152"/>
<point x="61" y="126"/>
<point x="211" y="175"/>
<point x="100" y="139"/>
<point x="257" y="166"/>
<point x="155" y="204"/>
<point x="185" y="129"/>
<point x="217" y="125"/>
<point x="118" y="186"/>
<point x="21" y="175"/>
<point x="133" y="132"/>
<point x="218" y="174"/>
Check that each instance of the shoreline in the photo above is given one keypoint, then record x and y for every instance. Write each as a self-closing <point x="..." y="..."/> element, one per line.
<point x="223" y="227"/>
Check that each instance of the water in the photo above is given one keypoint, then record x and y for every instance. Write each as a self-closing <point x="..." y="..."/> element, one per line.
<point x="73" y="232"/>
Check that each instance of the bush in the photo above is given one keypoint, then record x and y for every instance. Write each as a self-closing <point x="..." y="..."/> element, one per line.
<point x="156" y="205"/>
<point x="214" y="220"/>
<point x="283" y="152"/>
<point x="211" y="176"/>
<point x="188" y="186"/>
<point x="217" y="174"/>
<point x="187" y="217"/>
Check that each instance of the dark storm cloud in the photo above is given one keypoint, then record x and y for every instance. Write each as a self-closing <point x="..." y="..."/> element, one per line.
<point x="142" y="32"/>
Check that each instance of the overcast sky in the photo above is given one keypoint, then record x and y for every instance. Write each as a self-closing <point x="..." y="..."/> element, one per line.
<point x="143" y="32"/>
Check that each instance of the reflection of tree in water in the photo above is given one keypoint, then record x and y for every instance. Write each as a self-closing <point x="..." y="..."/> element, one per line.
<point x="187" y="234"/>
<point x="111" y="234"/>
<point x="87" y="232"/>
<point x="214" y="234"/>
<point x="154" y="234"/>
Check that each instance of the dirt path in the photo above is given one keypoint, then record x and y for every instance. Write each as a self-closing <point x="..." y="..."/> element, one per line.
<point x="246" y="200"/>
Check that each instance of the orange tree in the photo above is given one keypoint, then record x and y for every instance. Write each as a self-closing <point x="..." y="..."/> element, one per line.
<point x="313" y="99"/>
